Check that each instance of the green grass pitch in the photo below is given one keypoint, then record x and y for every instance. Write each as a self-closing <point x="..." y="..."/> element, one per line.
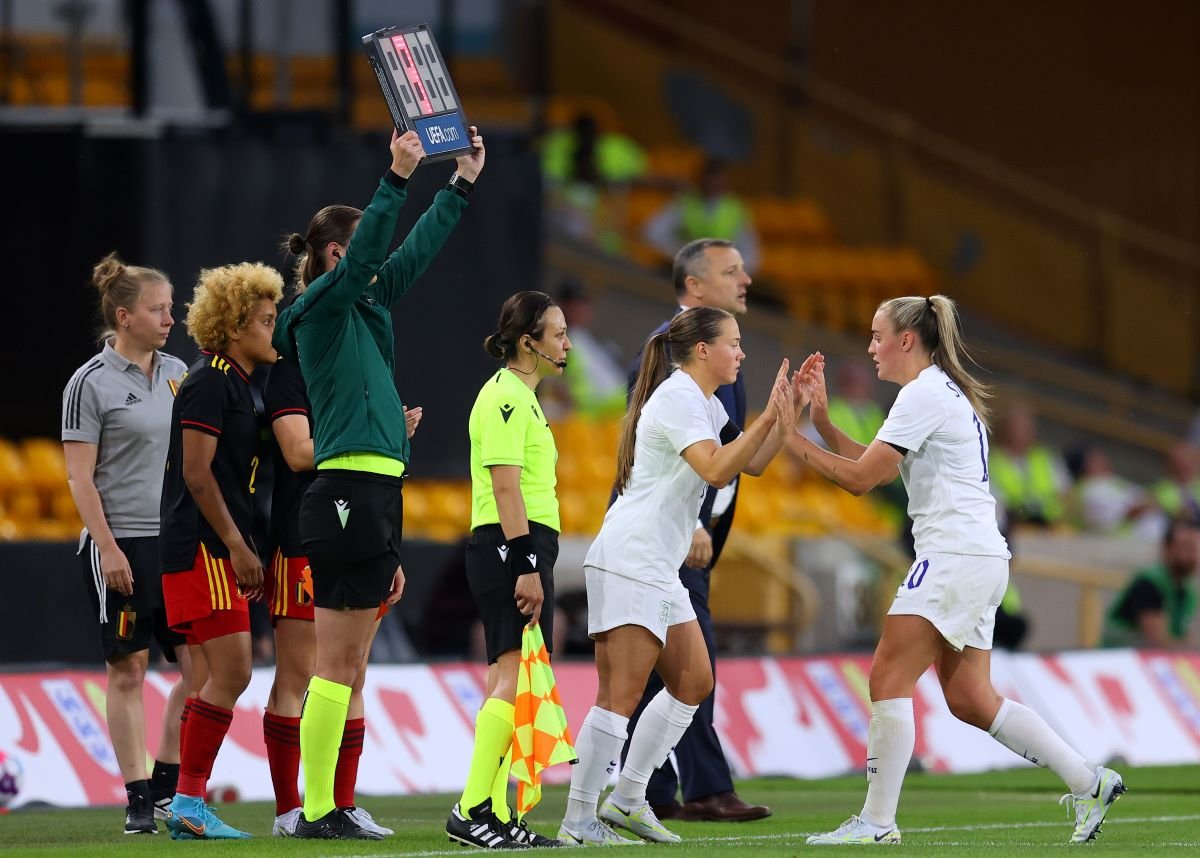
<point x="1005" y="813"/>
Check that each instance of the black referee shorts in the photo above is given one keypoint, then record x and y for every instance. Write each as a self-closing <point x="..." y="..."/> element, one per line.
<point x="129" y="623"/>
<point x="493" y="582"/>
<point x="351" y="526"/>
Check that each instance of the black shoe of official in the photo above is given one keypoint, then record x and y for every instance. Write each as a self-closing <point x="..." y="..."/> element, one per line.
<point x="522" y="833"/>
<point x="480" y="828"/>
<point x="351" y="830"/>
<point x="139" y="816"/>
<point x="328" y="827"/>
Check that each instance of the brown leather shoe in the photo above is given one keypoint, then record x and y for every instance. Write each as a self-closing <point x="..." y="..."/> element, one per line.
<point x="674" y="810"/>
<point x="724" y="807"/>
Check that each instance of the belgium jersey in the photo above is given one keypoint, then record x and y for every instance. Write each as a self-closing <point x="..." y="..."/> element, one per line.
<point x="215" y="399"/>
<point x="507" y="427"/>
<point x="285" y="395"/>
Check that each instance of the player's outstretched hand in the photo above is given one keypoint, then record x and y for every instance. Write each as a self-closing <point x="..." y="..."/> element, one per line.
<point x="812" y="378"/>
<point x="407" y="153"/>
<point x="471" y="165"/>
<point x="782" y="402"/>
<point x="397" y="588"/>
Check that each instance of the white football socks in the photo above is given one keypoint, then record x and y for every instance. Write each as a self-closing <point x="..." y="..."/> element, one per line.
<point x="1025" y="732"/>
<point x="890" y="741"/>
<point x="661" y="726"/>
<point x="598" y="747"/>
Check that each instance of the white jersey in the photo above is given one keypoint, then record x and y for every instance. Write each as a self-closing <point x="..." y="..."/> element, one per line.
<point x="647" y="532"/>
<point x="945" y="469"/>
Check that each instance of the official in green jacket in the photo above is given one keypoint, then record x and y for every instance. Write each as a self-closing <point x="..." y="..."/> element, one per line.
<point x="1159" y="603"/>
<point x="339" y="330"/>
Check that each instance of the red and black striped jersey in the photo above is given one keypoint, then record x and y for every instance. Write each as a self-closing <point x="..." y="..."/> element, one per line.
<point x="214" y="399"/>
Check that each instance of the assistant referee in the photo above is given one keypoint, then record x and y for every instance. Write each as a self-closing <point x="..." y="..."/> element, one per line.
<point x="512" y="550"/>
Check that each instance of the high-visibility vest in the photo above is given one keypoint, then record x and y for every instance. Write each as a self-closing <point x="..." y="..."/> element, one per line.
<point x="1029" y="492"/>
<point x="1179" y="606"/>
<point x="1172" y="498"/>
<point x="861" y="422"/>
<point x="724" y="217"/>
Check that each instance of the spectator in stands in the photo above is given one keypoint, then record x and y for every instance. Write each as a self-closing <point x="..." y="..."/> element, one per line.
<point x="116" y="425"/>
<point x="1158" y="607"/>
<point x="1177" y="494"/>
<point x="581" y="164"/>
<point x="595" y="380"/>
<point x="853" y="407"/>
<point x="1028" y="479"/>
<point x="709" y="210"/>
<point x="1102" y="501"/>
<point x="707" y="273"/>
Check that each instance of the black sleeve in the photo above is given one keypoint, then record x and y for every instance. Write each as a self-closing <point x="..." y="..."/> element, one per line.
<point x="1142" y="597"/>
<point x="285" y="392"/>
<point x="901" y="450"/>
<point x="202" y="402"/>
<point x="729" y="433"/>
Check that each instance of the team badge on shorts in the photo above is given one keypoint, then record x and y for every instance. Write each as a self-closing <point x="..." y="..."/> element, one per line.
<point x="304" y="591"/>
<point x="126" y="620"/>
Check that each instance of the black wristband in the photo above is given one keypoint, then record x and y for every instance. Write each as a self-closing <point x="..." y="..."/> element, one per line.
<point x="395" y="180"/>
<point x="460" y="186"/>
<point x="522" y="554"/>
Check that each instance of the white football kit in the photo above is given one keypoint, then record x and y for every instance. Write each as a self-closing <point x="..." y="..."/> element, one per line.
<point x="632" y="568"/>
<point x="961" y="568"/>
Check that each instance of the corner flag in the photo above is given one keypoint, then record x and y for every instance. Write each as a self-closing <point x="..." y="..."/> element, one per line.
<point x="541" y="737"/>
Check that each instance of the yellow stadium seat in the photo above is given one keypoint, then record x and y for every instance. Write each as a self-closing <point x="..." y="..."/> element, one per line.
<point x="46" y="468"/>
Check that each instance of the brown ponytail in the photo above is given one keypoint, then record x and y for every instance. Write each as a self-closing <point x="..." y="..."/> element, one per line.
<point x="676" y="345"/>
<point x="332" y="223"/>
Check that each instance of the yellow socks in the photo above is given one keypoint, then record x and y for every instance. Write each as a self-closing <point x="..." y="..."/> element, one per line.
<point x="493" y="740"/>
<point x="500" y="789"/>
<point x="321" y="724"/>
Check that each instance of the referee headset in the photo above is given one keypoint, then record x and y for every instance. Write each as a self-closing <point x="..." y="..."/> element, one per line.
<point x="528" y="340"/>
<point x="561" y="364"/>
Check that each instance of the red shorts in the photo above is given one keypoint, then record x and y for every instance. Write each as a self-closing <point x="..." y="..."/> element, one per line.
<point x="204" y="602"/>
<point x="288" y="584"/>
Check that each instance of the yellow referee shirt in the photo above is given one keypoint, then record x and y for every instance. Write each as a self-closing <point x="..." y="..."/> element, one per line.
<point x="507" y="427"/>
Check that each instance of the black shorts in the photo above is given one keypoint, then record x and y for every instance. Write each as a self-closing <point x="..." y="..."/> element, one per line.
<point x="128" y="623"/>
<point x="492" y="582"/>
<point x="351" y="525"/>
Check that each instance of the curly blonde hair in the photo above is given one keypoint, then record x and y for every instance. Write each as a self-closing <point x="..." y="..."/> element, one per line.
<point x="224" y="298"/>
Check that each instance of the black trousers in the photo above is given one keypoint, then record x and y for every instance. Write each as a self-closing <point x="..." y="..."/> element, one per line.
<point x="703" y="770"/>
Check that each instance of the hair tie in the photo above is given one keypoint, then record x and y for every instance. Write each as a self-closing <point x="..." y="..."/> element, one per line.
<point x="929" y="304"/>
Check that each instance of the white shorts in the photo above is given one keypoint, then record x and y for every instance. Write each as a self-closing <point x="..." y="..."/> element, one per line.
<point x="958" y="593"/>
<point x="615" y="600"/>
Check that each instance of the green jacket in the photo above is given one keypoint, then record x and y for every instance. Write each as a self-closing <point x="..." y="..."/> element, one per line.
<point x="1179" y="606"/>
<point x="340" y="328"/>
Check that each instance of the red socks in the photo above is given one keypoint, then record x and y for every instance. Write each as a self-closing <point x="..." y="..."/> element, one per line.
<point x="282" y="736"/>
<point x="202" y="735"/>
<point x="346" y="775"/>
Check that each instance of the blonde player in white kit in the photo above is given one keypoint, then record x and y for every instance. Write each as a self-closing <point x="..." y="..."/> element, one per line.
<point x="945" y="609"/>
<point x="677" y="437"/>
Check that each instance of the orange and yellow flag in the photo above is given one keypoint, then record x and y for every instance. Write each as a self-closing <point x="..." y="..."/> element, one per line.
<point x="541" y="737"/>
